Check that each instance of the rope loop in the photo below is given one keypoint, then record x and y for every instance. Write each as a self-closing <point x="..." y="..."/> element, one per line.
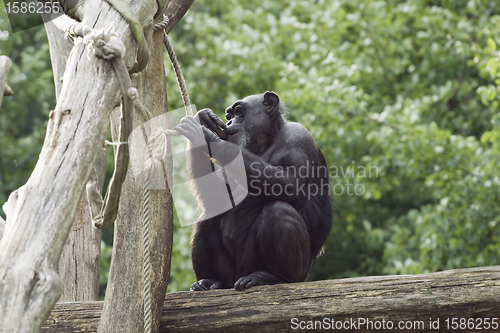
<point x="163" y="24"/>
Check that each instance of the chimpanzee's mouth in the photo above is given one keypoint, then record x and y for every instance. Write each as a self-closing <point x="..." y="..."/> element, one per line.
<point x="233" y="129"/>
<point x="234" y="133"/>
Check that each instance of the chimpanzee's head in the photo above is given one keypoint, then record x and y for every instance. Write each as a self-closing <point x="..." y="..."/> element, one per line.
<point x="254" y="121"/>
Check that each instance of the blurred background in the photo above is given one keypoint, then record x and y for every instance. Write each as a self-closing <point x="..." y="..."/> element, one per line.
<point x="401" y="96"/>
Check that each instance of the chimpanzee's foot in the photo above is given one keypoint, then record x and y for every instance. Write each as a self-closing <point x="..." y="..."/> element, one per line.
<point x="257" y="278"/>
<point x="206" y="284"/>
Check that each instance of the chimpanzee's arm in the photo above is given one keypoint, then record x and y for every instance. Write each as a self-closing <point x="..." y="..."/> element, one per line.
<point x="282" y="181"/>
<point x="284" y="175"/>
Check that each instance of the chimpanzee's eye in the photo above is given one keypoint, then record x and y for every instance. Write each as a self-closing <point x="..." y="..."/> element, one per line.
<point x="238" y="111"/>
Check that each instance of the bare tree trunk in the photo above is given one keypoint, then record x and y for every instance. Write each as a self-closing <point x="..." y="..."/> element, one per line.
<point x="2" y="226"/>
<point x="60" y="49"/>
<point x="40" y="214"/>
<point x="125" y="290"/>
<point x="5" y="64"/>
<point x="175" y="11"/>
<point x="80" y="260"/>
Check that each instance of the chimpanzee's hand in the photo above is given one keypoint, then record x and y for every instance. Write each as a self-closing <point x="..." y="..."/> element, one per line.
<point x="206" y="284"/>
<point x="211" y="121"/>
<point x="192" y="130"/>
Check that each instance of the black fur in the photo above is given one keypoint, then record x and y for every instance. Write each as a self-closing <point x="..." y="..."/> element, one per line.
<point x="269" y="237"/>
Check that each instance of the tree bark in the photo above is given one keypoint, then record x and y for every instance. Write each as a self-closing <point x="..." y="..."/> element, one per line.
<point x="416" y="299"/>
<point x="60" y="49"/>
<point x="40" y="214"/>
<point x="125" y="292"/>
<point x="123" y="309"/>
<point x="175" y="11"/>
<point x="2" y="226"/>
<point x="80" y="261"/>
<point x="79" y="265"/>
<point x="5" y="64"/>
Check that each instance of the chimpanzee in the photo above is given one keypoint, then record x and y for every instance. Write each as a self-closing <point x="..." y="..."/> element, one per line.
<point x="275" y="234"/>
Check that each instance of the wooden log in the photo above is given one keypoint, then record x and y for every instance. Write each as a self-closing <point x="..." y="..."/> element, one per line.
<point x="123" y="311"/>
<point x="2" y="226"/>
<point x="414" y="300"/>
<point x="79" y="265"/>
<point x="80" y="261"/>
<point x="60" y="49"/>
<point x="125" y="296"/>
<point x="5" y="64"/>
<point x="175" y="11"/>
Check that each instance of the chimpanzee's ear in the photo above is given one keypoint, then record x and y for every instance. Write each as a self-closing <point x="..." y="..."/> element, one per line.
<point x="271" y="101"/>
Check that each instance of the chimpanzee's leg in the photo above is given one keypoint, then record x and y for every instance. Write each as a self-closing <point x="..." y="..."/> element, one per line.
<point x="277" y="248"/>
<point x="213" y="265"/>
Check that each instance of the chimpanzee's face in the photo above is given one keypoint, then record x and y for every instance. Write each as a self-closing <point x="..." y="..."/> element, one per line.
<point x="249" y="123"/>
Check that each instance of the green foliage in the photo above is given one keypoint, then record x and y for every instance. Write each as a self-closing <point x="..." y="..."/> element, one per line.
<point x="406" y="88"/>
<point x="181" y="272"/>
<point x="401" y="95"/>
<point x="23" y="117"/>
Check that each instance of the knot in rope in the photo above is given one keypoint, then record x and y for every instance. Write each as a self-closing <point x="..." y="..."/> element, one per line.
<point x="77" y="30"/>
<point x="157" y="146"/>
<point x="104" y="43"/>
<point x="133" y="94"/>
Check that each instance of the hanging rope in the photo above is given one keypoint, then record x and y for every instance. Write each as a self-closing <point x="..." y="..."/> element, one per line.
<point x="156" y="153"/>
<point x="146" y="253"/>
<point x="179" y="76"/>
